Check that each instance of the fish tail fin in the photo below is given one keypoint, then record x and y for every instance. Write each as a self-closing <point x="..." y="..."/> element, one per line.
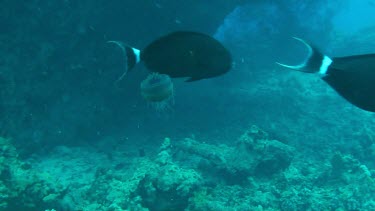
<point x="314" y="62"/>
<point x="131" y="57"/>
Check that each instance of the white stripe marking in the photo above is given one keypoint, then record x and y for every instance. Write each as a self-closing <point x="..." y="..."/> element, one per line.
<point x="325" y="64"/>
<point x="137" y="54"/>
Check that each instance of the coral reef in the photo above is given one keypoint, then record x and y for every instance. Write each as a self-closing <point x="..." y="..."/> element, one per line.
<point x="255" y="173"/>
<point x="253" y="155"/>
<point x="21" y="187"/>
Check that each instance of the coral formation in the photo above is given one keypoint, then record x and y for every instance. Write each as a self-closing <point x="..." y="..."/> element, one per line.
<point x="253" y="155"/>
<point x="21" y="187"/>
<point x="255" y="173"/>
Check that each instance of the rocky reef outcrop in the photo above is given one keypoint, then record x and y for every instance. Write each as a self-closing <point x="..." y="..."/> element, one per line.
<point x="254" y="173"/>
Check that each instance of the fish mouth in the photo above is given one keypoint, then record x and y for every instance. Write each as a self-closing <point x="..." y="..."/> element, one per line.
<point x="301" y="66"/>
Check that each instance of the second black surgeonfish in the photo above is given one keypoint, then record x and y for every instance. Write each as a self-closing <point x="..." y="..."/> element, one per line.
<point x="180" y="54"/>
<point x="353" y="77"/>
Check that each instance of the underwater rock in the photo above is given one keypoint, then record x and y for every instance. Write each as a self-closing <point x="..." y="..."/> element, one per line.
<point x="188" y="175"/>
<point x="148" y="184"/>
<point x="271" y="156"/>
<point x="21" y="186"/>
<point x="169" y="186"/>
<point x="345" y="168"/>
<point x="12" y="182"/>
<point x="339" y="165"/>
<point x="253" y="155"/>
<point x="276" y="157"/>
<point x="230" y="198"/>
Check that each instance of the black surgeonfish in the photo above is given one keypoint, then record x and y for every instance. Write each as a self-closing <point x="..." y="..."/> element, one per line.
<point x="353" y="77"/>
<point x="181" y="54"/>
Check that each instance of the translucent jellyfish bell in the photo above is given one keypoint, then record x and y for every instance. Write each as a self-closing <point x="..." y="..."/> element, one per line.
<point x="157" y="89"/>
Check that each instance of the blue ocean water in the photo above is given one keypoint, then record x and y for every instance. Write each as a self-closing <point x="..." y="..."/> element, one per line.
<point x="260" y="137"/>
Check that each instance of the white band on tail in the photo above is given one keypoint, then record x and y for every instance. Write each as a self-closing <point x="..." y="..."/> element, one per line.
<point x="325" y="64"/>
<point x="137" y="54"/>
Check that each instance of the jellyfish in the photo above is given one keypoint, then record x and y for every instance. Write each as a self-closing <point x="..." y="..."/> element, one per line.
<point x="157" y="89"/>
